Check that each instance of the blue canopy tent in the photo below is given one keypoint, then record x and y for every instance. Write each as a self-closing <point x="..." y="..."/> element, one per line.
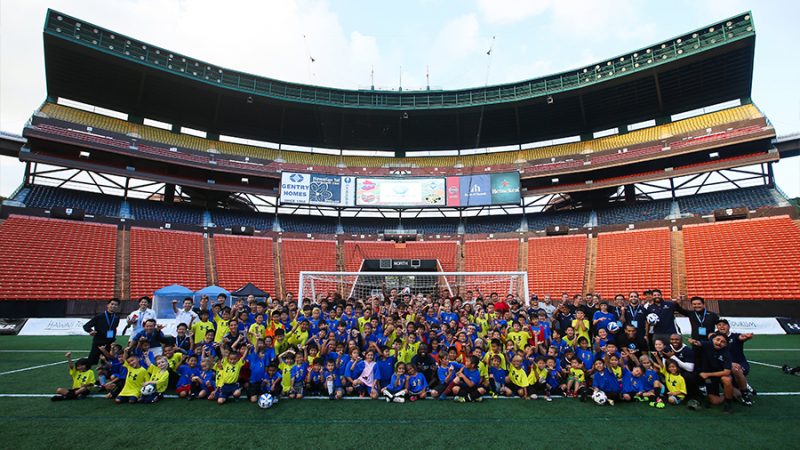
<point x="162" y="299"/>
<point x="212" y="292"/>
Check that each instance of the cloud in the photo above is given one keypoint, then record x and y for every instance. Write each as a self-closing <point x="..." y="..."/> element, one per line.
<point x="503" y="12"/>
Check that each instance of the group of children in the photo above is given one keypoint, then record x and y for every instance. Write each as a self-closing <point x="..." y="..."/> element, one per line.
<point x="398" y="349"/>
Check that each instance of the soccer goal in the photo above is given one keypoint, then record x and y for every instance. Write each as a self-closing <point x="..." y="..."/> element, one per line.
<point x="361" y="285"/>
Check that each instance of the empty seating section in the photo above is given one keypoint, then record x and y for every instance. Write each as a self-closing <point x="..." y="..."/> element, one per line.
<point x="573" y="219"/>
<point x="633" y="260"/>
<point x="756" y="259"/>
<point x="432" y="225"/>
<point x="244" y="259"/>
<point x="230" y="218"/>
<point x="649" y="134"/>
<point x="49" y="197"/>
<point x="492" y="224"/>
<point x="50" y="259"/>
<point x="636" y="212"/>
<point x="356" y="252"/>
<point x="556" y="265"/>
<point x="307" y="255"/>
<point x="308" y="224"/>
<point x="500" y="255"/>
<point x="373" y="225"/>
<point x="160" y="258"/>
<point x="752" y="198"/>
<point x="157" y="211"/>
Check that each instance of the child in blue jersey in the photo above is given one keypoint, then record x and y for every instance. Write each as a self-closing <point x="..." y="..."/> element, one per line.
<point x="333" y="381"/>
<point x="398" y="386"/>
<point x="272" y="382"/>
<point x="385" y="364"/>
<point x="605" y="381"/>
<point x="468" y="382"/>
<point x="653" y="388"/>
<point x="204" y="384"/>
<point x="257" y="362"/>
<point x="185" y="374"/>
<point x="496" y="380"/>
<point x="584" y="353"/>
<point x="315" y="380"/>
<point x="114" y="370"/>
<point x="554" y="378"/>
<point x="445" y="373"/>
<point x="632" y="383"/>
<point x="417" y="384"/>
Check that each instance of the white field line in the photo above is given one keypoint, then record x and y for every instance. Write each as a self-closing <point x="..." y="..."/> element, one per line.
<point x="763" y="364"/>
<point x="32" y="368"/>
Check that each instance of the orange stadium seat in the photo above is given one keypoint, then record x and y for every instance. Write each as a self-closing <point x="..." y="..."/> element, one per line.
<point x="50" y="259"/>
<point x="633" y="261"/>
<point x="501" y="255"/>
<point x="556" y="265"/>
<point x="244" y="259"/>
<point x="307" y="255"/>
<point x="757" y="259"/>
<point x="160" y="258"/>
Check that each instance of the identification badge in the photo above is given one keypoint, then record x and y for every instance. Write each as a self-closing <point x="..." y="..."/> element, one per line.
<point x="110" y="334"/>
<point x="702" y="331"/>
<point x="635" y="323"/>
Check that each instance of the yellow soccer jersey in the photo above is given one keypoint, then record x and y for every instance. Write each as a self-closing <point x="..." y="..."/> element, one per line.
<point x="222" y="329"/>
<point x="487" y="358"/>
<point x="80" y="379"/>
<point x="483" y="369"/>
<point x="199" y="330"/>
<point x="133" y="382"/>
<point x="297" y="337"/>
<point x="256" y="331"/>
<point x="361" y="321"/>
<point x="617" y="371"/>
<point x="175" y="361"/>
<point x="519" y="338"/>
<point x="161" y="377"/>
<point x="230" y="372"/>
<point x="577" y="374"/>
<point x="537" y="376"/>
<point x="581" y="333"/>
<point x="286" y="376"/>
<point x="675" y="383"/>
<point x="518" y="376"/>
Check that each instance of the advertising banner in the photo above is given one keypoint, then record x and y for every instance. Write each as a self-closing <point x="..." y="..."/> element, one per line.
<point x="505" y="188"/>
<point x="401" y="192"/>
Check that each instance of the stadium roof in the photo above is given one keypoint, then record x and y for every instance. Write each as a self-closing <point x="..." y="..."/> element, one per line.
<point x="90" y="64"/>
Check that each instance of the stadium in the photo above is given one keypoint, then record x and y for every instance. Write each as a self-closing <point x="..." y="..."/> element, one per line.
<point x="460" y="212"/>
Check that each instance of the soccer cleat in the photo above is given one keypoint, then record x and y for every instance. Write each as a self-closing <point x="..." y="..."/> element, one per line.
<point x="548" y="398"/>
<point x="494" y="395"/>
<point x="399" y="400"/>
<point x="746" y="399"/>
<point x="694" y="405"/>
<point x="478" y="399"/>
<point x="610" y="402"/>
<point x="459" y="399"/>
<point x="785" y="368"/>
<point x="534" y="396"/>
<point x="750" y="390"/>
<point x="57" y="398"/>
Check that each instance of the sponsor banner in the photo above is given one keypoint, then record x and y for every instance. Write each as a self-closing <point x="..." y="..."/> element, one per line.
<point x="11" y="326"/>
<point x="476" y="190"/>
<point x="755" y="325"/>
<point x="74" y="327"/>
<point x="295" y="187"/>
<point x="505" y="188"/>
<point x="402" y="192"/>
<point x="348" y="197"/>
<point x="791" y="326"/>
<point x="453" y="191"/>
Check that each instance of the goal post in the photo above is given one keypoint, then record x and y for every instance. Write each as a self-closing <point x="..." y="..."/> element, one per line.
<point x="361" y="285"/>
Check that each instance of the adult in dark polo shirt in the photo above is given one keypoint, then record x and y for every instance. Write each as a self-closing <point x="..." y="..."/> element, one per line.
<point x="702" y="320"/>
<point x="715" y="370"/>
<point x="103" y="329"/>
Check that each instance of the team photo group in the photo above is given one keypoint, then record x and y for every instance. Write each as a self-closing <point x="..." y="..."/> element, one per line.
<point x="401" y="347"/>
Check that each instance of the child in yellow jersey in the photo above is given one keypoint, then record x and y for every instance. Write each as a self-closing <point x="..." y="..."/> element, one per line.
<point x="159" y="377"/>
<point x="228" y="379"/>
<point x="576" y="380"/>
<point x="517" y="379"/>
<point x="221" y="322"/>
<point x="581" y="325"/>
<point x="136" y="377"/>
<point x="82" y="380"/>
<point x="674" y="383"/>
<point x="256" y="330"/>
<point x="518" y="336"/>
<point x="538" y="379"/>
<point x="201" y="327"/>
<point x="612" y="363"/>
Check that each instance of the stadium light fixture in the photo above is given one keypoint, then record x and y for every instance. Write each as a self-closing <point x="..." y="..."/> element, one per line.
<point x="713" y="155"/>
<point x="249" y="99"/>
<point x="245" y="180"/>
<point x="84" y="154"/>
<point x="549" y="99"/>
<point x="554" y="180"/>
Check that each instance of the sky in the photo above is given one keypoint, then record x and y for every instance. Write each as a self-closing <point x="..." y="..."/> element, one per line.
<point x="409" y="40"/>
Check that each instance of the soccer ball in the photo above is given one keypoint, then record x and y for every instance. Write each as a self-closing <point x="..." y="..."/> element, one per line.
<point x="265" y="401"/>
<point x="599" y="397"/>
<point x="652" y="318"/>
<point x="613" y="327"/>
<point x="148" y="389"/>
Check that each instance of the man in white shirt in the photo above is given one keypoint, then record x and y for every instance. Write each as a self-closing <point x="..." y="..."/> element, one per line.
<point x="185" y="315"/>
<point x="137" y="318"/>
<point x="547" y="305"/>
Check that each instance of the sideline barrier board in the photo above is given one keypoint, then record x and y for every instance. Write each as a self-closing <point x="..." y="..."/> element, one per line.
<point x="755" y="325"/>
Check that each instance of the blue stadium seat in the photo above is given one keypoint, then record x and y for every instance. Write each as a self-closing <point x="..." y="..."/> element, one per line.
<point x="230" y="218"/>
<point x="492" y="224"/>
<point x="432" y="225"/>
<point x="308" y="224"/>
<point x="573" y="219"/>
<point x="165" y="213"/>
<point x="637" y="212"/>
<point x="752" y="198"/>
<point x="90" y="202"/>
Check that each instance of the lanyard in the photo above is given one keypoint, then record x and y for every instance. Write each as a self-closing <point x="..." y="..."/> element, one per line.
<point x="638" y="310"/>
<point x="180" y="342"/>
<point x="699" y="320"/>
<point x="111" y="320"/>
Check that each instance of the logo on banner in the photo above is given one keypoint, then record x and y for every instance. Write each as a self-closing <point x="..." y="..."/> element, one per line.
<point x="296" y="177"/>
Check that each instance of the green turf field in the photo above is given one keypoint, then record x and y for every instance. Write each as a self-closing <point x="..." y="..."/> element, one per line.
<point x="504" y="423"/>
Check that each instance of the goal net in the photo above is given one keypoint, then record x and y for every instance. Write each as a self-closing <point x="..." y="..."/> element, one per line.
<point x="361" y="285"/>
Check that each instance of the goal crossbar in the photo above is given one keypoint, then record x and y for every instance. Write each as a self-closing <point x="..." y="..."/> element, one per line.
<point x="306" y="274"/>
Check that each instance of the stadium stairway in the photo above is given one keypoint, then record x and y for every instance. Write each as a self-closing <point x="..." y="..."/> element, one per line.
<point x="678" y="263"/>
<point x="210" y="260"/>
<point x="590" y="269"/>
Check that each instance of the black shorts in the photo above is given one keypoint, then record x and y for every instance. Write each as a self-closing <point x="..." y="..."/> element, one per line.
<point x="712" y="385"/>
<point x="254" y="389"/>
